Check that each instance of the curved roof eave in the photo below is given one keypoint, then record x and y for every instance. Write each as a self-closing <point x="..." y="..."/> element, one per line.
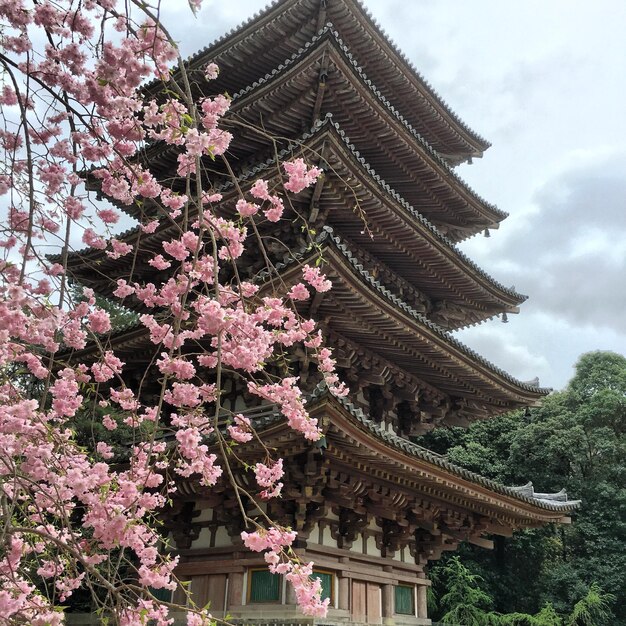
<point x="422" y="88"/>
<point x="543" y="501"/>
<point x="328" y="236"/>
<point x="270" y="417"/>
<point x="492" y="212"/>
<point x="372" y="175"/>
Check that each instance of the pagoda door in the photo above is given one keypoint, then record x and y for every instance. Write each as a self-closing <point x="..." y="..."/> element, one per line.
<point x="366" y="602"/>
<point x="209" y="589"/>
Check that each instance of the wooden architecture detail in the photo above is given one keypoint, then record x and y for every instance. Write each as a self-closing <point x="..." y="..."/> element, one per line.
<point x="371" y="507"/>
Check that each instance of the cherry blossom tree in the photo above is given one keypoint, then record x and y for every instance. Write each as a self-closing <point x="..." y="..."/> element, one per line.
<point x="73" y="517"/>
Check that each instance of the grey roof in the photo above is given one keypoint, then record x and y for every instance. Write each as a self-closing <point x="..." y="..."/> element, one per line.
<point x="551" y="502"/>
<point x="427" y="85"/>
<point x="328" y="235"/>
<point x="329" y="31"/>
<point x="529" y="491"/>
<point x="372" y="175"/>
<point x="201" y="56"/>
<point x="318" y="127"/>
<point x="266" y="416"/>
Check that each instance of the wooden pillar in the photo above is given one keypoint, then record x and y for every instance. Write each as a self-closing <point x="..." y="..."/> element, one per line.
<point x="344" y="593"/>
<point x="235" y="590"/>
<point x="290" y="594"/>
<point x="422" y="601"/>
<point x="387" y="604"/>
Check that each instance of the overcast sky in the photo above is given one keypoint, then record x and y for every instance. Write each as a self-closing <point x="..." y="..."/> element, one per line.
<point x="545" y="82"/>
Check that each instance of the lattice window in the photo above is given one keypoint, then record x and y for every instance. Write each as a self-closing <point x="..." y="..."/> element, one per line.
<point x="405" y="600"/>
<point x="327" y="579"/>
<point x="164" y="595"/>
<point x="263" y="586"/>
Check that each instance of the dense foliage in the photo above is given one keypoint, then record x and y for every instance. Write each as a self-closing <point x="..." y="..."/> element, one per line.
<point x="464" y="603"/>
<point x="575" y="440"/>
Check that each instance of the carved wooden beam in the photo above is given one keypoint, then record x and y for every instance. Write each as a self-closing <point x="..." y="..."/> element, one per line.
<point x="430" y="547"/>
<point x="483" y="543"/>
<point x="395" y="536"/>
<point x="321" y="16"/>
<point x="314" y="206"/>
<point x="178" y="519"/>
<point x="497" y="529"/>
<point x="351" y="525"/>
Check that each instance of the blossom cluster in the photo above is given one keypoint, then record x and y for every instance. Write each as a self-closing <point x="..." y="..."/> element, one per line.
<point x="276" y="542"/>
<point x="77" y="108"/>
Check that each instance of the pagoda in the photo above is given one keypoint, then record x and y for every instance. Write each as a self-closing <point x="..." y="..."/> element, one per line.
<point x="371" y="507"/>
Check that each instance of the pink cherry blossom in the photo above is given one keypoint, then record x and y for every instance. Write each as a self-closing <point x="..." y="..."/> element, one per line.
<point x="176" y="249"/>
<point x="315" y="278"/>
<point x="120" y="249"/>
<point x="266" y="476"/>
<point x="299" y="292"/>
<point x="211" y="70"/>
<point x="99" y="321"/>
<point x="123" y="289"/>
<point x="299" y="175"/>
<point x="79" y="77"/>
<point x="247" y="209"/>
<point x="159" y="262"/>
<point x="109" y="216"/>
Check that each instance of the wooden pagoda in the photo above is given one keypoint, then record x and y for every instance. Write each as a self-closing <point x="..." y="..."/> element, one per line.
<point x="371" y="507"/>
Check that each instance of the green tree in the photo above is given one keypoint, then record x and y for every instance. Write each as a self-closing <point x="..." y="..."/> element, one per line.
<point x="548" y="616"/>
<point x="464" y="602"/>
<point x="592" y="610"/>
<point x="576" y="440"/>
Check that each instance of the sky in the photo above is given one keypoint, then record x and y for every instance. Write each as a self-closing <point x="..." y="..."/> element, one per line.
<point x="545" y="82"/>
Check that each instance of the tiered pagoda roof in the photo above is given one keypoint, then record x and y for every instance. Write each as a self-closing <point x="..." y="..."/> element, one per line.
<point x="405" y="247"/>
<point x="368" y="469"/>
<point x="360" y="310"/>
<point x="261" y="44"/>
<point x="323" y="79"/>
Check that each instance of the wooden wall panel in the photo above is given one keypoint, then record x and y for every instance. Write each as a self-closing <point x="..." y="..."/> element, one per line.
<point x="358" y="607"/>
<point x="217" y="589"/>
<point x="209" y="589"/>
<point x="200" y="589"/>
<point x="374" y="609"/>
<point x="179" y="596"/>
<point x="366" y="602"/>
